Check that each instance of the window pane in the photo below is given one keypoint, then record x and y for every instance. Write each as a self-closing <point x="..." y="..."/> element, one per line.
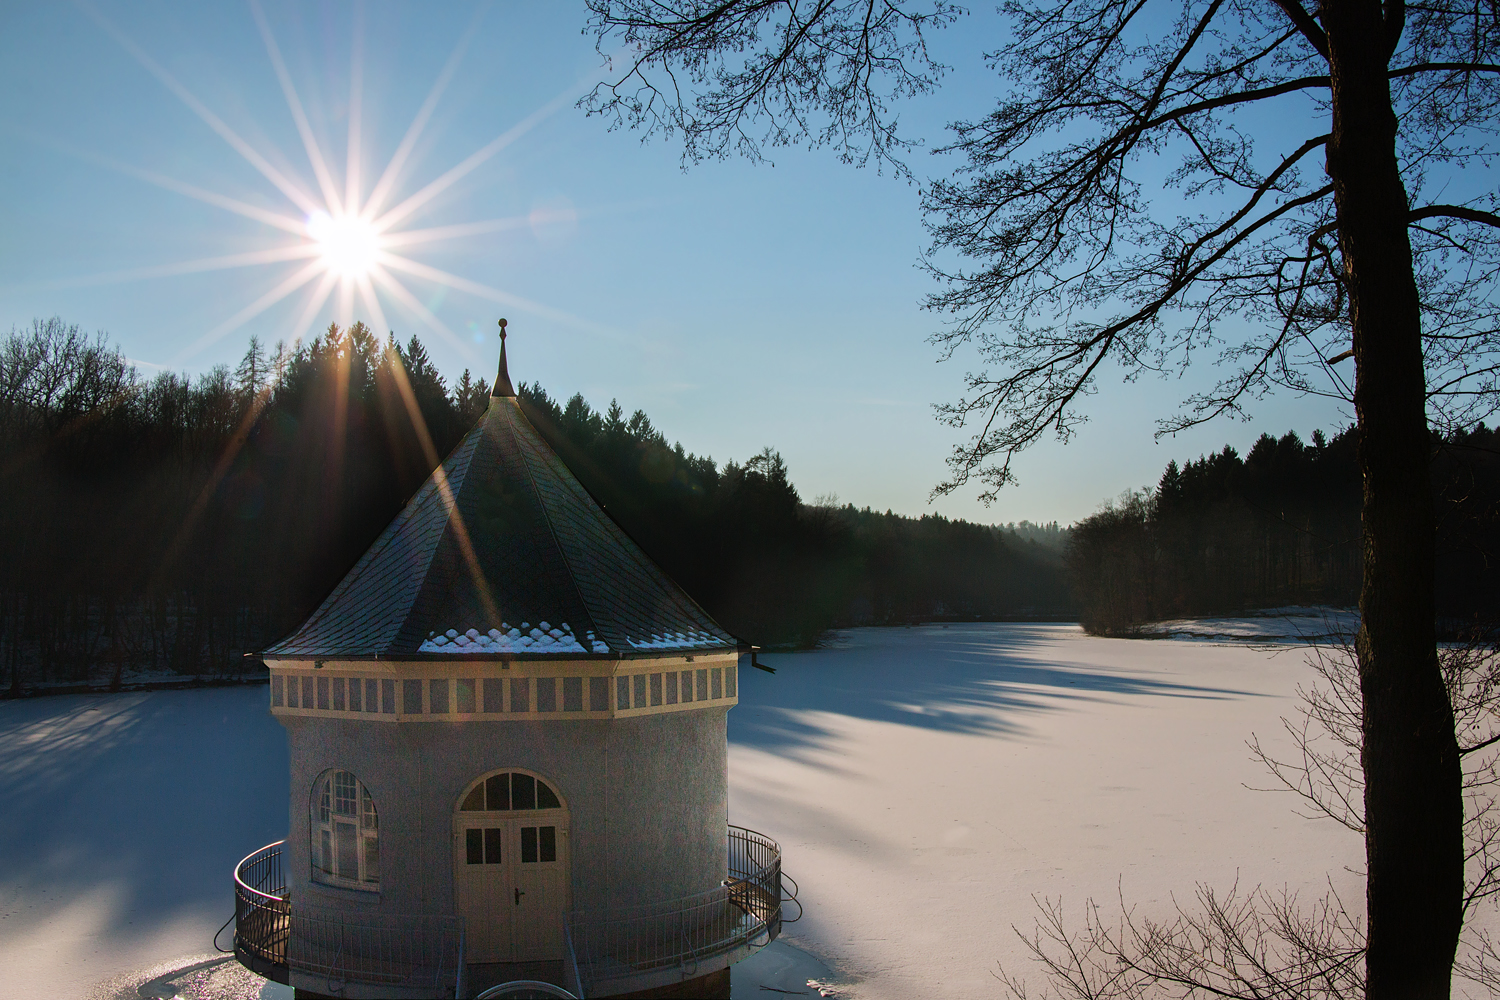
<point x="639" y="683"/>
<point x="464" y="699"/>
<point x="731" y="675"/>
<point x="388" y="697"/>
<point x="346" y="847"/>
<point x="687" y="685"/>
<point x="307" y="692"/>
<point x="338" y="693"/>
<point x="372" y="695"/>
<point x="520" y="694"/>
<point x="323" y="693"/>
<point x="438" y="699"/>
<point x="494" y="694"/>
<point x="325" y="800"/>
<point x="474" y="801"/>
<point x="343" y="793"/>
<point x="371" y="822"/>
<point x="528" y="845"/>
<point x="622" y="692"/>
<point x="325" y="857"/>
<point x="546" y="694"/>
<point x="671" y="682"/>
<point x="546" y="798"/>
<point x="598" y="694"/>
<point x="411" y="697"/>
<point x="549" y="843"/>
<point x="291" y="692"/>
<point x="492" y="838"/>
<point x="497" y="791"/>
<point x="718" y="688"/>
<point x="278" y="686"/>
<point x="572" y="694"/>
<point x="372" y="859"/>
<point x="356" y="689"/>
<point x="656" y="689"/>
<point x="474" y="847"/>
<point x="703" y="685"/>
<point x="522" y="791"/>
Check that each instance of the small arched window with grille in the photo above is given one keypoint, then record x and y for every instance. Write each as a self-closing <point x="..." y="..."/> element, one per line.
<point x="345" y="833"/>
<point x="510" y="791"/>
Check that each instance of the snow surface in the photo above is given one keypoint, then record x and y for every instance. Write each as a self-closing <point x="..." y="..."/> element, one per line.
<point x="1294" y="625"/>
<point x="924" y="783"/>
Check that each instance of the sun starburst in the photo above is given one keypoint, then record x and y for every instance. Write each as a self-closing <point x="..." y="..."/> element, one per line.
<point x="344" y="241"/>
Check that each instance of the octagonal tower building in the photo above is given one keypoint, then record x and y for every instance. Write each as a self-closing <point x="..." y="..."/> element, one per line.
<point x="507" y="731"/>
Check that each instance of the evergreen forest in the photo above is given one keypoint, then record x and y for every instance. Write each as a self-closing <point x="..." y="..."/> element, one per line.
<point x="172" y="524"/>
<point x="1279" y="527"/>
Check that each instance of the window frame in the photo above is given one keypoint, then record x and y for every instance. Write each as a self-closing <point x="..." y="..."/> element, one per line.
<point x="325" y="843"/>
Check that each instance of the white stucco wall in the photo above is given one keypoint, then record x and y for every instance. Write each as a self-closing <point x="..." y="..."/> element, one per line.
<point x="647" y="800"/>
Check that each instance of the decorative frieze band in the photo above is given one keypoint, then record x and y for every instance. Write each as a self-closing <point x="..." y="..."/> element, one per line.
<point x="341" y="693"/>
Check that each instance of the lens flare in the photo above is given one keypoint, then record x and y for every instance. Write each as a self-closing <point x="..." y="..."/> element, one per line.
<point x="349" y="245"/>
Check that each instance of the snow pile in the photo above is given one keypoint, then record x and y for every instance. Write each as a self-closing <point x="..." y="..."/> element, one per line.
<point x="676" y="640"/>
<point x="525" y="638"/>
<point x="1297" y="626"/>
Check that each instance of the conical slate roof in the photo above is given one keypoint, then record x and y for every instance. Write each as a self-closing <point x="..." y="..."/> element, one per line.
<point x="502" y="551"/>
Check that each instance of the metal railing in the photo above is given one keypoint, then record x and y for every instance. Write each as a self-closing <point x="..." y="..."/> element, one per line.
<point x="681" y="938"/>
<point x="410" y="951"/>
<point x="672" y="939"/>
<point x="572" y="980"/>
<point x="261" y="912"/>
<point x="417" y="953"/>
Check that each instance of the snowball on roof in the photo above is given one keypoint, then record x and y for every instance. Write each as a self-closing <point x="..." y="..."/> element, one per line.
<point x="676" y="640"/>
<point x="508" y="639"/>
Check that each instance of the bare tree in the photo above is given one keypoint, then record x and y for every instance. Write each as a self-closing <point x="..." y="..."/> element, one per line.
<point x="1242" y="945"/>
<point x="1061" y="262"/>
<point x="1326" y="772"/>
<point x="1262" y="944"/>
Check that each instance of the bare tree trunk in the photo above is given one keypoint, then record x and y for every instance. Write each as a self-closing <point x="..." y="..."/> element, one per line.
<point x="1413" y="785"/>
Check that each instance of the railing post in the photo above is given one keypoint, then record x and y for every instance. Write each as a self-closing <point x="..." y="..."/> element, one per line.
<point x="458" y="988"/>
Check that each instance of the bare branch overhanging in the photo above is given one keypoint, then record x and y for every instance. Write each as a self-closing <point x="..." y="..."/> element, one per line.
<point x="1111" y="208"/>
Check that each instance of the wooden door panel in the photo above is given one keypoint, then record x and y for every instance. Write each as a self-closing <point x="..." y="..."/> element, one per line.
<point x="483" y="879"/>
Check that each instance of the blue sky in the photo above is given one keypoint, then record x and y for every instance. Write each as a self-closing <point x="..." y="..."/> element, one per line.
<point x="739" y="305"/>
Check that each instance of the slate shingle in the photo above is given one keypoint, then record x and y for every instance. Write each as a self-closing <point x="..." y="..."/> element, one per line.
<point x="503" y="534"/>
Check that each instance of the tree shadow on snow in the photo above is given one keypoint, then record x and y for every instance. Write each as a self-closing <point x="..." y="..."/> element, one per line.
<point x="980" y="679"/>
<point x="136" y="806"/>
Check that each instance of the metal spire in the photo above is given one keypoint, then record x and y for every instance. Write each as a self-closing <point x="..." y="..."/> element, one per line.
<point x="503" y="388"/>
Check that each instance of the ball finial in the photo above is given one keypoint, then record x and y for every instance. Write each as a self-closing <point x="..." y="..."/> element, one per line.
<point x="502" y="329"/>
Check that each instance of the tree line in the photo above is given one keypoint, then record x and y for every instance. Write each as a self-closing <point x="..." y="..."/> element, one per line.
<point x="1280" y="526"/>
<point x="172" y="524"/>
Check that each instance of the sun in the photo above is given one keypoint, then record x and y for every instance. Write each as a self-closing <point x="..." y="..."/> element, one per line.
<point x="350" y="239"/>
<point x="349" y="245"/>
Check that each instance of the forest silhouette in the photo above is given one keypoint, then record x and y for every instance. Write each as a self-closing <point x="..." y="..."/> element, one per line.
<point x="173" y="524"/>
<point x="1279" y="527"/>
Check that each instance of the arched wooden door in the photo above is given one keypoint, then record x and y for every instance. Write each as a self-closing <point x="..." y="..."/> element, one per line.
<point x="511" y="868"/>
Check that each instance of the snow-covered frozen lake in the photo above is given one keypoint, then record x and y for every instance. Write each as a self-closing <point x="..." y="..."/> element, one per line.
<point x="925" y="784"/>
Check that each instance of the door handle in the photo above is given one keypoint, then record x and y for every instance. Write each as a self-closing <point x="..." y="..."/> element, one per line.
<point x="519" y="894"/>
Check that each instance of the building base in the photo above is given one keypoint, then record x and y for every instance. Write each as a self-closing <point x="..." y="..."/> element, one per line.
<point x="714" y="986"/>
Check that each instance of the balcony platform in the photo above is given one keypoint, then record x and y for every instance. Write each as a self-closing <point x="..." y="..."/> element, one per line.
<point x="673" y="948"/>
<point x="480" y="976"/>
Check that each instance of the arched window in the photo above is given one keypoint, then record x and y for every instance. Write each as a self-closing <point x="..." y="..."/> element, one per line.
<point x="345" y="833"/>
<point x="512" y="790"/>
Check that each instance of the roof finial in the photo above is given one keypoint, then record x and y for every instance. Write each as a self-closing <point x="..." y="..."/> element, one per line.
<point x="503" y="388"/>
